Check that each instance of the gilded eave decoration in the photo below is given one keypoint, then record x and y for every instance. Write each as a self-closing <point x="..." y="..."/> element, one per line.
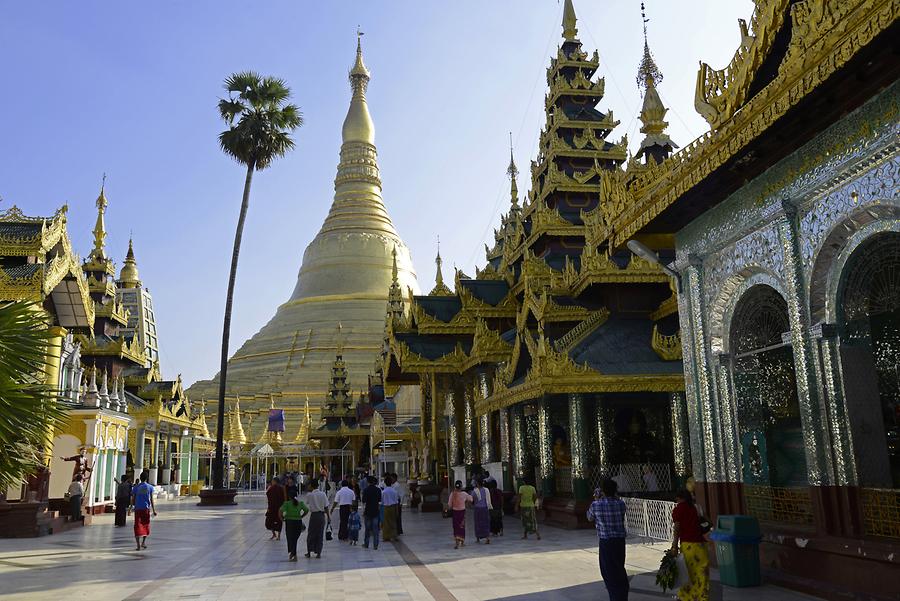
<point x="721" y="92"/>
<point x="578" y="60"/>
<point x="668" y="348"/>
<point x="825" y="36"/>
<point x="52" y="230"/>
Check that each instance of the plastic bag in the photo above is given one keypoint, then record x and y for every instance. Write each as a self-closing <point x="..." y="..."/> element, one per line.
<point x="681" y="578"/>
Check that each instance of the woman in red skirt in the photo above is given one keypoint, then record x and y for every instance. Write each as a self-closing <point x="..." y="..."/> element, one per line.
<point x="142" y="501"/>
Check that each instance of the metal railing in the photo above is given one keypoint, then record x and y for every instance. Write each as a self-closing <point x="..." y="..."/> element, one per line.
<point x="783" y="505"/>
<point x="648" y="518"/>
<point x="634" y="477"/>
<point x="881" y="511"/>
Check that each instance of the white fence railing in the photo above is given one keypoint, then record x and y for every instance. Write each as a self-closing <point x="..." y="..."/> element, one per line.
<point x="648" y="518"/>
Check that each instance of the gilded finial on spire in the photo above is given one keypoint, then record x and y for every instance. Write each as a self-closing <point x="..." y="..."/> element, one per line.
<point x="648" y="74"/>
<point x="569" y="21"/>
<point x="359" y="74"/>
<point x="512" y="171"/>
<point x="98" y="254"/>
<point x="440" y="288"/>
<point x="656" y="143"/>
<point x="340" y="339"/>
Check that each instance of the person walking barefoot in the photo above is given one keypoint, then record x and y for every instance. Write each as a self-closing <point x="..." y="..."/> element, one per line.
<point x="142" y="501"/>
<point x="458" y="500"/>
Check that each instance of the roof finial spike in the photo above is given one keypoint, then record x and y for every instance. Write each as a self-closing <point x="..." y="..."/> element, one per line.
<point x="568" y="22"/>
<point x="98" y="254"/>
<point x="359" y="74"/>
<point x="648" y="74"/>
<point x="512" y="171"/>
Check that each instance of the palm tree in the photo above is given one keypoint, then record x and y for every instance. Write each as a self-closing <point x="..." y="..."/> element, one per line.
<point x="259" y="131"/>
<point x="27" y="404"/>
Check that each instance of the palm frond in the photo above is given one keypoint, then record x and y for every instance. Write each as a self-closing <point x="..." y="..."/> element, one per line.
<point x="28" y="406"/>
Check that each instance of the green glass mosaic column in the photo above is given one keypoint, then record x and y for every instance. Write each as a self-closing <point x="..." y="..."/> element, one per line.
<point x="468" y="426"/>
<point x="814" y="440"/>
<point x="681" y="444"/>
<point x="604" y="429"/>
<point x="482" y="391"/>
<point x="841" y="438"/>
<point x="517" y="419"/>
<point x="452" y="430"/>
<point x="545" y="448"/>
<point x="578" y="449"/>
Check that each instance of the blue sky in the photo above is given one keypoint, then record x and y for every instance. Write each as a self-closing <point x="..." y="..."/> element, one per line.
<point x="130" y="90"/>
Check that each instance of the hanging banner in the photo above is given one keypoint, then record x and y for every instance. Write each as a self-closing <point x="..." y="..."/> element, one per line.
<point x="276" y="420"/>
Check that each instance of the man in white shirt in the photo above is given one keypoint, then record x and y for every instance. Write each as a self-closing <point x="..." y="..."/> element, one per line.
<point x="344" y="499"/>
<point x="76" y="494"/>
<point x="317" y="502"/>
<point x="396" y="486"/>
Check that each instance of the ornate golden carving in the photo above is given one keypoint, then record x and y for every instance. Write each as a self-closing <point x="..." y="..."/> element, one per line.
<point x="800" y="73"/>
<point x="667" y="347"/>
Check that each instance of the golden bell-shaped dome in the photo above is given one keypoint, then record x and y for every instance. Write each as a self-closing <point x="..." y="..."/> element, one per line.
<point x="128" y="276"/>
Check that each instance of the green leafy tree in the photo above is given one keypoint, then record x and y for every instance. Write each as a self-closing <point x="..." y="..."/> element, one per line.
<point x="260" y="122"/>
<point x="28" y="407"/>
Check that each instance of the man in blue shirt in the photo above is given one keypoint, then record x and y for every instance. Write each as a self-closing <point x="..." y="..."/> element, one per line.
<point x="608" y="514"/>
<point x="142" y="501"/>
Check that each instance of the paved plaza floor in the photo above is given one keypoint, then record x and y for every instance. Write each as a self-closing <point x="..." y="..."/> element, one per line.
<point x="206" y="554"/>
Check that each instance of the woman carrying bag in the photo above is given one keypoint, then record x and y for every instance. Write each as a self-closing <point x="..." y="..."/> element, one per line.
<point x="688" y="532"/>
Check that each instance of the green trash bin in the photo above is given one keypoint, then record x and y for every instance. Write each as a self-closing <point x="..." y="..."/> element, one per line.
<point x="737" y="549"/>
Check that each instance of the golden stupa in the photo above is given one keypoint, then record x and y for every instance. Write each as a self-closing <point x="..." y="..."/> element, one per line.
<point x="344" y="279"/>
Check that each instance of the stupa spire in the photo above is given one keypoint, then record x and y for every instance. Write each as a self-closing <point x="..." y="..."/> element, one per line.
<point x="358" y="125"/>
<point x="570" y="31"/>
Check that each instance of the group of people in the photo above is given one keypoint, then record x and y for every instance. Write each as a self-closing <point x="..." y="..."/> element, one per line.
<point x="608" y="514"/>
<point x="486" y="500"/>
<point x="382" y="507"/>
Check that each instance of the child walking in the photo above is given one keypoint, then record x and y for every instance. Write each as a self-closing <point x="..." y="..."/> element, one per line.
<point x="354" y="524"/>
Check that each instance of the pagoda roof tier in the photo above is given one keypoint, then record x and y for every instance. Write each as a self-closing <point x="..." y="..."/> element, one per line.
<point x="602" y="353"/>
<point x="106" y="346"/>
<point x="579" y="86"/>
<point x="574" y="59"/>
<point x="37" y="263"/>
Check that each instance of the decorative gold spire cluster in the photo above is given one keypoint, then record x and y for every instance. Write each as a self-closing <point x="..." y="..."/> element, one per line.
<point x="128" y="276"/>
<point x="204" y="427"/>
<point x="570" y="31"/>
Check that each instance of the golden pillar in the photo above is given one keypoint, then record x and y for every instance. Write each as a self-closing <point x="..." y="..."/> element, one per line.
<point x="53" y="364"/>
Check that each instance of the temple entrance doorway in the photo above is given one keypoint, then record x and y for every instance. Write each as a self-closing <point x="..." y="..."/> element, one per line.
<point x="770" y="435"/>
<point x="868" y="312"/>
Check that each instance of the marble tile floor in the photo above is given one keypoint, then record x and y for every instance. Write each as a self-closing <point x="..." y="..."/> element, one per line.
<point x="209" y="554"/>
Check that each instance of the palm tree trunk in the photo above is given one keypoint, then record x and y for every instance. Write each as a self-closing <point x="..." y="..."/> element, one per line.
<point x="218" y="467"/>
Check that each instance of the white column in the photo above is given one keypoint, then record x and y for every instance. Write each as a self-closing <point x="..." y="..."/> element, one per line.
<point x="100" y="471"/>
